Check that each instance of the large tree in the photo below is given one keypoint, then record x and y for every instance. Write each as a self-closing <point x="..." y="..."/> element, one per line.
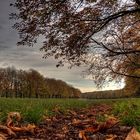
<point x="104" y="34"/>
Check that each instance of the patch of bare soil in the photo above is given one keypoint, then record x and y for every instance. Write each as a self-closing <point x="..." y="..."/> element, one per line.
<point x="74" y="125"/>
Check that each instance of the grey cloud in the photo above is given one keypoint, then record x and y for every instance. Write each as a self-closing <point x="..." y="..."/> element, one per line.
<point x="4" y="64"/>
<point x="3" y="47"/>
<point x="1" y="27"/>
<point x="2" y="42"/>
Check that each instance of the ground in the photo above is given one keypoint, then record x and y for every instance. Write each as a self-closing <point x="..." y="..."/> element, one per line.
<point x="69" y="119"/>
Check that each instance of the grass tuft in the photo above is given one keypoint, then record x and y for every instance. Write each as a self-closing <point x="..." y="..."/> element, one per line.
<point x="129" y="112"/>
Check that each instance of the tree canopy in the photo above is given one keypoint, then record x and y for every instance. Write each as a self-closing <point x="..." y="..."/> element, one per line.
<point x="104" y="34"/>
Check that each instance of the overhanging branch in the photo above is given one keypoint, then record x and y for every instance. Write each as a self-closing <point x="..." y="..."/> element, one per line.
<point x="124" y="74"/>
<point x="114" y="53"/>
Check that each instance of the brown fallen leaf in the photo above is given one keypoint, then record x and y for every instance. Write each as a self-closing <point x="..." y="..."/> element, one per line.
<point x="82" y="135"/>
<point x="2" y="137"/>
<point x="76" y="121"/>
<point x="108" y="124"/>
<point x="83" y="122"/>
<point x="7" y="130"/>
<point x="28" y="128"/>
<point x="72" y="112"/>
<point x="65" y="129"/>
<point x="99" y="127"/>
<point x="12" y="127"/>
<point x="60" y="136"/>
<point x="13" y="115"/>
<point x="91" y="129"/>
<point x="133" y="135"/>
<point x="111" y="137"/>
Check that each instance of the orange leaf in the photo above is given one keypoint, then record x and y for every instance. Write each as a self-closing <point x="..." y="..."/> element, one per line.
<point x="82" y="135"/>
<point x="133" y="135"/>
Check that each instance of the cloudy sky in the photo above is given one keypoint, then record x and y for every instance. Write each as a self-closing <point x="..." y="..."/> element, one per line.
<point x="30" y="57"/>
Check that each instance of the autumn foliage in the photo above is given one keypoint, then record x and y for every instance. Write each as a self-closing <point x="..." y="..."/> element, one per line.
<point x="31" y="84"/>
<point x="102" y="34"/>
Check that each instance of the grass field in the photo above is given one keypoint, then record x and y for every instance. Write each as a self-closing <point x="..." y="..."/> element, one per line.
<point x="32" y="110"/>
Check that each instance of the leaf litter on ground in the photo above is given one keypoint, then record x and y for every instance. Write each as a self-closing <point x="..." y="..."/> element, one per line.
<point x="93" y="123"/>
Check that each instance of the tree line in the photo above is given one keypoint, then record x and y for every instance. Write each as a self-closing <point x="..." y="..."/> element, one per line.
<point x="108" y="94"/>
<point x="31" y="84"/>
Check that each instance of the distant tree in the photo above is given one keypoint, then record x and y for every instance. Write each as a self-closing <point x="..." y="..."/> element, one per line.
<point x="60" y="89"/>
<point x="35" y="83"/>
<point x="7" y="82"/>
<point x="1" y="83"/>
<point x="31" y="84"/>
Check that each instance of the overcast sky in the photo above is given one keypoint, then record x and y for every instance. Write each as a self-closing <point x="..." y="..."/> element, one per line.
<point x="30" y="57"/>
